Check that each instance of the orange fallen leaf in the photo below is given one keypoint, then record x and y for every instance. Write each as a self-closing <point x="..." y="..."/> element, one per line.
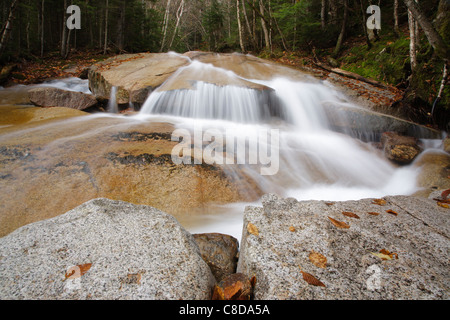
<point x="252" y="229"/>
<point x="350" y="214"/>
<point x="380" y="202"/>
<point x="373" y="213"/>
<point x="292" y="229"/>
<point x="77" y="271"/>
<point x="443" y="205"/>
<point x="318" y="259"/>
<point x="312" y="280"/>
<point x="392" y="212"/>
<point x="386" y="255"/>
<point x="339" y="224"/>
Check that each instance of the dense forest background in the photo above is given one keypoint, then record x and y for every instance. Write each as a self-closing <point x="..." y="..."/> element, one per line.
<point x="403" y="53"/>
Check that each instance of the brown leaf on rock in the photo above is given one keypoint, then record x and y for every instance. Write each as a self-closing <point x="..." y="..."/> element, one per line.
<point x="443" y="205"/>
<point x="339" y="224"/>
<point x="318" y="259"/>
<point x="373" y="213"/>
<point x="311" y="279"/>
<point x="252" y="229"/>
<point x="386" y="255"/>
<point x="380" y="202"/>
<point x="292" y="229"/>
<point x="392" y="212"/>
<point x="350" y="214"/>
<point x="77" y="271"/>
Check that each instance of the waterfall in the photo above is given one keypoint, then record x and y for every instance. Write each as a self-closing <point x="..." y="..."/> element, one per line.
<point x="314" y="161"/>
<point x="113" y="107"/>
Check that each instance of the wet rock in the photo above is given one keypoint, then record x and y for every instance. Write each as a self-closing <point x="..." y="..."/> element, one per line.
<point x="434" y="171"/>
<point x="104" y="249"/>
<point x="220" y="252"/>
<point x="236" y="286"/>
<point x="400" y="149"/>
<point x="446" y="144"/>
<point x="397" y="249"/>
<point x="369" y="125"/>
<point x="55" y="97"/>
<point x="84" y="158"/>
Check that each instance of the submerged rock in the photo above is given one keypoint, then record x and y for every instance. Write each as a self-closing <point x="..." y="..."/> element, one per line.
<point x="391" y="248"/>
<point x="104" y="249"/>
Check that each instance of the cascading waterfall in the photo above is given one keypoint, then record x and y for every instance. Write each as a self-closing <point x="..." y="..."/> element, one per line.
<point x="314" y="162"/>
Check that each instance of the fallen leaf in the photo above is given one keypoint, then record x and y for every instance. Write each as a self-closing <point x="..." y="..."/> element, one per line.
<point x="77" y="271"/>
<point x="233" y="291"/>
<point x="443" y="205"/>
<point x="252" y="229"/>
<point x="318" y="259"/>
<point x="385" y="254"/>
<point x="218" y="293"/>
<point x="339" y="224"/>
<point x="350" y="214"/>
<point x="253" y="281"/>
<point x="373" y="213"/>
<point x="382" y="256"/>
<point x="380" y="202"/>
<point x="292" y="229"/>
<point x="329" y="203"/>
<point x="392" y="212"/>
<point x="311" y="279"/>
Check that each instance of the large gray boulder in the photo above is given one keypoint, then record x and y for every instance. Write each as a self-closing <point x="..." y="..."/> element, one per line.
<point x="104" y="249"/>
<point x="391" y="248"/>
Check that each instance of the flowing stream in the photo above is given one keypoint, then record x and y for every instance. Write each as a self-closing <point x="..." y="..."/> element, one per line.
<point x="282" y="127"/>
<point x="315" y="163"/>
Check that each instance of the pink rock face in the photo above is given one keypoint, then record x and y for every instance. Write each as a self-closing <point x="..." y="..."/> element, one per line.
<point x="54" y="97"/>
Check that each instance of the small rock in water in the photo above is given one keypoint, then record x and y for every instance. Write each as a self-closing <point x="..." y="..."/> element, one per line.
<point x="400" y="149"/>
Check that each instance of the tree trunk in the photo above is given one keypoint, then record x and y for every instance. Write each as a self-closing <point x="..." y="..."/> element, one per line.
<point x="241" y="40"/>
<point x="63" y="50"/>
<point x="396" y="28"/>
<point x="7" y="28"/>
<point x="342" y="33"/>
<point x="105" y="48"/>
<point x="366" y="34"/>
<point x="412" y="41"/>
<point x="179" y="15"/>
<point x="247" y="22"/>
<point x="165" y="25"/>
<point x="264" y="25"/>
<point x="42" y="27"/>
<point x="323" y="11"/>
<point x="432" y="35"/>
